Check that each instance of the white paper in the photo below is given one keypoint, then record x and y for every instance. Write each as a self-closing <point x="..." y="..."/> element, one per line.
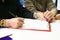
<point x="5" y="32"/>
<point x="35" y="24"/>
<point x="33" y="35"/>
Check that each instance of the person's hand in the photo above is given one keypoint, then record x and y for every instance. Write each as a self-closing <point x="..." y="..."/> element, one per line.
<point x="40" y="16"/>
<point x="49" y="15"/>
<point x="57" y="17"/>
<point x="14" y="22"/>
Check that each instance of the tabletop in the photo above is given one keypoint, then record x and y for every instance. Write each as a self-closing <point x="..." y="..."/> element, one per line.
<point x="33" y="35"/>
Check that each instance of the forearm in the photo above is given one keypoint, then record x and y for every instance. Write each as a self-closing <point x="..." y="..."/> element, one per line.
<point x="28" y="14"/>
<point x="54" y="11"/>
<point x="51" y="7"/>
<point x="30" y="6"/>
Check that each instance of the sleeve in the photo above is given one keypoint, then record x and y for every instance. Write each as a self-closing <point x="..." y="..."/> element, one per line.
<point x="30" y="5"/>
<point x="23" y="12"/>
<point x="51" y="6"/>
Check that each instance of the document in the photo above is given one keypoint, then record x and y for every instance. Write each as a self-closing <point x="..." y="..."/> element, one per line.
<point x="35" y="24"/>
<point x="4" y="32"/>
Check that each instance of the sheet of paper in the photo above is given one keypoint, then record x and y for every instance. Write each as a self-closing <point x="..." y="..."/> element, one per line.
<point x="35" y="24"/>
<point x="5" y="32"/>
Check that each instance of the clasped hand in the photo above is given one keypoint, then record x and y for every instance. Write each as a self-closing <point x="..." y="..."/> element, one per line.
<point x="49" y="16"/>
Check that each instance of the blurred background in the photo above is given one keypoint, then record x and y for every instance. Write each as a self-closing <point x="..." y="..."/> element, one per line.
<point x="57" y="3"/>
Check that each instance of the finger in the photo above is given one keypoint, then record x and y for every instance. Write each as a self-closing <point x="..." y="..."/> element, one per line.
<point x="21" y="19"/>
<point x="49" y="20"/>
<point x="50" y="16"/>
<point x="20" y="24"/>
<point x="45" y="13"/>
<point x="53" y="19"/>
<point x="42" y="18"/>
<point x="48" y="13"/>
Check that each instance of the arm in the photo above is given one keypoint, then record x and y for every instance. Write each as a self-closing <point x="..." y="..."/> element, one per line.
<point x="29" y="4"/>
<point x="11" y="23"/>
<point x="51" y="10"/>
<point x="51" y="7"/>
<point x="23" y="12"/>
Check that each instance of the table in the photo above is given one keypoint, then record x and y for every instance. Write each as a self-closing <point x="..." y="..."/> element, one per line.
<point x="34" y="35"/>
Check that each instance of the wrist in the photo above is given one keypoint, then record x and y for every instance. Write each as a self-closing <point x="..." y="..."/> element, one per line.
<point x="54" y="14"/>
<point x="37" y="14"/>
<point x="7" y="23"/>
<point x="2" y="22"/>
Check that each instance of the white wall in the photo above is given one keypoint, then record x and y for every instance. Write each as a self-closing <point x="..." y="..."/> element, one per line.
<point x="54" y="1"/>
<point x="58" y="4"/>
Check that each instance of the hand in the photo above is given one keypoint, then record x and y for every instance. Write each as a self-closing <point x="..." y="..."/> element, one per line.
<point x="48" y="15"/>
<point x="14" y="22"/>
<point x="57" y="17"/>
<point x="40" y="16"/>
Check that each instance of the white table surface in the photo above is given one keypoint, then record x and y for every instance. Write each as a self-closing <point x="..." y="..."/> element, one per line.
<point x="34" y="35"/>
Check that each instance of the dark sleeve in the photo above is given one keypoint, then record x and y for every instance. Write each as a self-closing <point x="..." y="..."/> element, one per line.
<point x="17" y="9"/>
<point x="25" y="13"/>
